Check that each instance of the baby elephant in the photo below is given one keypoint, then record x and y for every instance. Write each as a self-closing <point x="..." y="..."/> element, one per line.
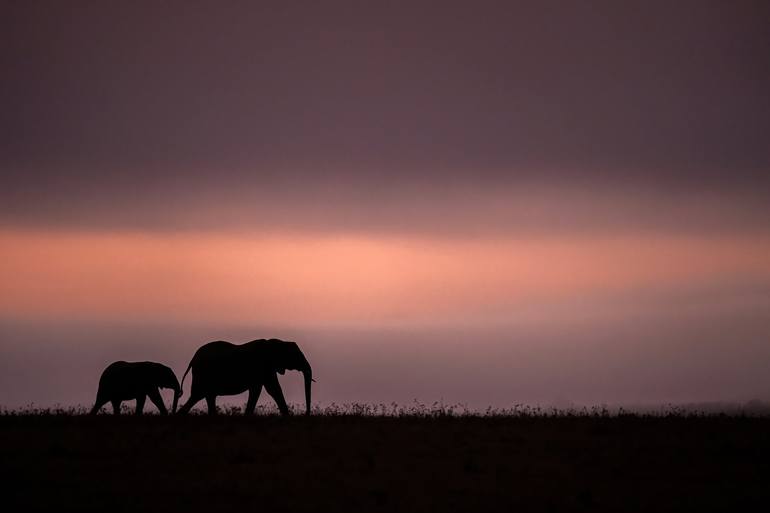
<point x="123" y="381"/>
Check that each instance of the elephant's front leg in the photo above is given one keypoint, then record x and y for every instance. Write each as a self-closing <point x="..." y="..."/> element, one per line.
<point x="273" y="388"/>
<point x="157" y="400"/>
<point x="116" y="406"/>
<point x="140" y="404"/>
<point x="253" y="398"/>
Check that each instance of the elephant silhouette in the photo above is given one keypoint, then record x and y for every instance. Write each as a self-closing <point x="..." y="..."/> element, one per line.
<point x="124" y="381"/>
<point x="223" y="368"/>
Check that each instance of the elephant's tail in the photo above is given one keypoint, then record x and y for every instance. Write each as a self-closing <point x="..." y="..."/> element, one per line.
<point x="181" y="384"/>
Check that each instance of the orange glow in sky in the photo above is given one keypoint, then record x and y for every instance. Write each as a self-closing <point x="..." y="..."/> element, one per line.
<point x="301" y="279"/>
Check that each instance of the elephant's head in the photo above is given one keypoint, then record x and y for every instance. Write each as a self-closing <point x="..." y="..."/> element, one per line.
<point x="288" y="356"/>
<point x="164" y="377"/>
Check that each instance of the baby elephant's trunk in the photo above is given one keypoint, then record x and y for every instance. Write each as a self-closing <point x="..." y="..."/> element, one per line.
<point x="177" y="394"/>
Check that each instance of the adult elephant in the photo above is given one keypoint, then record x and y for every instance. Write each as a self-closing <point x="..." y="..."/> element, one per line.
<point x="222" y="368"/>
<point x="124" y="381"/>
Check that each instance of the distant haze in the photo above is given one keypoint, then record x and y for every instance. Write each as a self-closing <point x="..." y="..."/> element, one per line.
<point x="488" y="203"/>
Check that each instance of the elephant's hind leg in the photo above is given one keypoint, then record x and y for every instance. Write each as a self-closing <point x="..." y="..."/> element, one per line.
<point x="192" y="401"/>
<point x="116" y="406"/>
<point x="100" y="401"/>
<point x="211" y="402"/>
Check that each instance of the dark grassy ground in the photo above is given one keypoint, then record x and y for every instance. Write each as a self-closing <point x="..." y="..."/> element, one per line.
<point x="361" y="463"/>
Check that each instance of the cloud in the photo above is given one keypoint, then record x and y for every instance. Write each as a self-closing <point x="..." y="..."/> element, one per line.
<point x="655" y="94"/>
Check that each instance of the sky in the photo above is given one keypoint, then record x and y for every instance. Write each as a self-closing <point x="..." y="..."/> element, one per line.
<point x="486" y="203"/>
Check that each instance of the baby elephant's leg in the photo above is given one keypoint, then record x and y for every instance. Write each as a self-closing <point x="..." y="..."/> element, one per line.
<point x="140" y="404"/>
<point x="157" y="400"/>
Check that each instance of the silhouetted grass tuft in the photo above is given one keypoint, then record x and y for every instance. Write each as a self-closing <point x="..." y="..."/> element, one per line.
<point x="417" y="409"/>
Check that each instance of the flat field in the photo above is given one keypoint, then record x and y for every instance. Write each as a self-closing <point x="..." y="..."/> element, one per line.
<point x="60" y="462"/>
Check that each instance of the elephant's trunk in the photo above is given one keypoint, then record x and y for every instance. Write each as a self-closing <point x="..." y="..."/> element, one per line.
<point x="307" y="372"/>
<point x="177" y="388"/>
<point x="177" y="394"/>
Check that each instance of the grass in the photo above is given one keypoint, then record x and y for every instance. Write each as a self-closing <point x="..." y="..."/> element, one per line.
<point x="385" y="458"/>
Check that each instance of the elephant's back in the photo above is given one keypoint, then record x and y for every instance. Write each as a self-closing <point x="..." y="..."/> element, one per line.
<point x="116" y="373"/>
<point x="124" y="380"/>
<point x="215" y="350"/>
<point x="115" y="369"/>
<point x="122" y="367"/>
<point x="221" y="365"/>
<point x="215" y="355"/>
